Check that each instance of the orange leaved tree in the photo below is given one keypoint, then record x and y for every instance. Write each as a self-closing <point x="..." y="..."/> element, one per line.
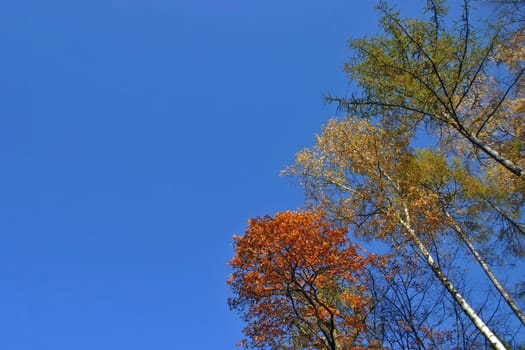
<point x="299" y="283"/>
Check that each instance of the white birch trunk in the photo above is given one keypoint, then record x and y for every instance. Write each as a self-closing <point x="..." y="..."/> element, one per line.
<point x="467" y="309"/>
<point x="487" y="269"/>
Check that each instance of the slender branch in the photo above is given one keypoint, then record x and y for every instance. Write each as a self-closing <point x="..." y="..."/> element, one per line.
<point x="501" y="100"/>
<point x="516" y="226"/>
<point x="463" y="236"/>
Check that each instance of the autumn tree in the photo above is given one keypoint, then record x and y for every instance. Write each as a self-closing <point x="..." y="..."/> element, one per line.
<point x="365" y="175"/>
<point x="420" y="72"/>
<point x="371" y="179"/>
<point x="299" y="283"/>
<point x="461" y="89"/>
<point x="460" y="86"/>
<point x="467" y="93"/>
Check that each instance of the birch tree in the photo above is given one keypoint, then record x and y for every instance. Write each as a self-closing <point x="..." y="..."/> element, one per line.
<point x="461" y="88"/>
<point x="368" y="177"/>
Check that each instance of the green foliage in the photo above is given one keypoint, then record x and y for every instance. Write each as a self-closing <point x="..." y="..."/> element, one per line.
<point x="462" y="88"/>
<point x="457" y="199"/>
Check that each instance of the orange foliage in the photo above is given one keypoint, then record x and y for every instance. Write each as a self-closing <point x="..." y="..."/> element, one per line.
<point x="299" y="283"/>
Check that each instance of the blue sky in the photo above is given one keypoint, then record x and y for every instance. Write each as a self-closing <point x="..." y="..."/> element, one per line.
<point x="136" y="137"/>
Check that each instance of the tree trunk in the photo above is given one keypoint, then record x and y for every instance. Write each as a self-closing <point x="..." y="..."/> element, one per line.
<point x="486" y="269"/>
<point x="447" y="283"/>
<point x="507" y="163"/>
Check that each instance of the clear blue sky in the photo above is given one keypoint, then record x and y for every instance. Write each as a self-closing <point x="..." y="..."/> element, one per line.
<point x="135" y="138"/>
